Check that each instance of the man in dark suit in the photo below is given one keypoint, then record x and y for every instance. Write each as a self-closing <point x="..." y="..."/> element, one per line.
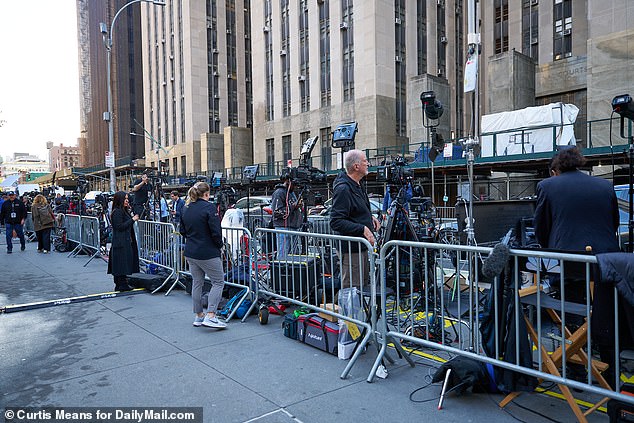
<point x="576" y="212"/>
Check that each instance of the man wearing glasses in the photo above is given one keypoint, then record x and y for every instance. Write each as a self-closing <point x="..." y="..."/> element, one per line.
<point x="351" y="216"/>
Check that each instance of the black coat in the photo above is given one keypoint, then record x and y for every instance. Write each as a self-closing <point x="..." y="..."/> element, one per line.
<point x="16" y="206"/>
<point x="124" y="254"/>
<point x="575" y="210"/>
<point x="200" y="226"/>
<point x="350" y="212"/>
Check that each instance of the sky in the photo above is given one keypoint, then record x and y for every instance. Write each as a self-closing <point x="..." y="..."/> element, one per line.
<point x="39" y="75"/>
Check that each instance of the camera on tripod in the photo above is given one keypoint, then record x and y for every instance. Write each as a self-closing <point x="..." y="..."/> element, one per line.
<point x="83" y="186"/>
<point x="395" y="172"/>
<point x="305" y="175"/>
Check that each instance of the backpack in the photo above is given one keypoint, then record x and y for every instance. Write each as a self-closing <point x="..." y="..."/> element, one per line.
<point x="231" y="304"/>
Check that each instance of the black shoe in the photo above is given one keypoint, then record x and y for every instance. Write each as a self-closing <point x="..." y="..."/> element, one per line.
<point x="123" y="288"/>
<point x="22" y="248"/>
<point x="9" y="251"/>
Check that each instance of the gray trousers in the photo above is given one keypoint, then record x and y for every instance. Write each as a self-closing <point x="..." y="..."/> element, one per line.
<point x="213" y="269"/>
<point x="355" y="270"/>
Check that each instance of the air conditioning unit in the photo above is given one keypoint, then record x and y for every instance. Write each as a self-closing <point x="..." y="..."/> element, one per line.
<point x="567" y="31"/>
<point x="246" y="36"/>
<point x="216" y="73"/>
<point x="228" y="31"/>
<point x="301" y="78"/>
<point x="440" y="72"/>
<point x="217" y="119"/>
<point x="216" y="96"/>
<point x="343" y="26"/>
<point x="210" y="25"/>
<point x="534" y="2"/>
<point x="443" y="39"/>
<point x="398" y="59"/>
<point x="265" y="28"/>
<point x="534" y="40"/>
<point x="440" y="3"/>
<point x="215" y="51"/>
<point x="283" y="52"/>
<point x="569" y="54"/>
<point x="397" y="21"/>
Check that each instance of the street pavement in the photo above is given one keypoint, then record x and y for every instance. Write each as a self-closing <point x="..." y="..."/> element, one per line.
<point x="141" y="350"/>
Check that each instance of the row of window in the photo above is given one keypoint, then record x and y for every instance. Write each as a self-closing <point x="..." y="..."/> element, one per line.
<point x="321" y="158"/>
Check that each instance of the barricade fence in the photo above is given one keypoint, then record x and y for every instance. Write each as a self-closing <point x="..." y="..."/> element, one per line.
<point x="157" y="243"/>
<point x="528" y="313"/>
<point x="90" y="236"/>
<point x="237" y="266"/>
<point x="309" y="269"/>
<point x="508" y="311"/>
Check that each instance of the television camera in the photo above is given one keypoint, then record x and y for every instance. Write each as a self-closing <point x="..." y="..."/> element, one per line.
<point x="304" y="175"/>
<point x="395" y="172"/>
<point x="83" y="186"/>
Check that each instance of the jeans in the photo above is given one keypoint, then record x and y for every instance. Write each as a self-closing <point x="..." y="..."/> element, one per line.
<point x="44" y="239"/>
<point x="10" y="227"/>
<point x="286" y="244"/>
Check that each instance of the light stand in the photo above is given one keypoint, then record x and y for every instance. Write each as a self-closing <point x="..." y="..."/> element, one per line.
<point x="249" y="174"/>
<point x="432" y="111"/>
<point x="624" y="106"/>
<point x="343" y="138"/>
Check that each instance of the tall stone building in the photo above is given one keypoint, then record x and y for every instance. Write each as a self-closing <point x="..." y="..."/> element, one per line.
<point x="542" y="51"/>
<point x="63" y="156"/>
<point x="318" y="64"/>
<point x="198" y="84"/>
<point x="126" y="80"/>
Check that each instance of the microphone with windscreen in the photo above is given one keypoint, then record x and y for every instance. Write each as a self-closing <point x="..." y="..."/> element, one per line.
<point x="494" y="264"/>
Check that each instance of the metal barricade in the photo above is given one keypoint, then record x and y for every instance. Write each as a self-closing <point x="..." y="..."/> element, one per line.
<point x="29" y="229"/>
<point x="306" y="269"/>
<point x="319" y="224"/>
<point x="238" y="266"/>
<point x="157" y="247"/>
<point x="511" y="320"/>
<point x="73" y="232"/>
<point x="90" y="237"/>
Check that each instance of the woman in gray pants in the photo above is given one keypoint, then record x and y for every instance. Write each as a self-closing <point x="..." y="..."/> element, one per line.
<point x="200" y="226"/>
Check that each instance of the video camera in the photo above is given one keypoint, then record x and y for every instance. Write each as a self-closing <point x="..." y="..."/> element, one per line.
<point x="83" y="186"/>
<point x="395" y="172"/>
<point x="304" y="174"/>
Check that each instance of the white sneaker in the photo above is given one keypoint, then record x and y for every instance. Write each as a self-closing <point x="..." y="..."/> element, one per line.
<point x="198" y="321"/>
<point x="213" y="322"/>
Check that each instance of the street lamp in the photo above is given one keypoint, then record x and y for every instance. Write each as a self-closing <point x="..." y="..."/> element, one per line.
<point x="107" y="116"/>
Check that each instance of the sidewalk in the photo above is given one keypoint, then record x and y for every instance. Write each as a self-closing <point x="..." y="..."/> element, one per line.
<point x="142" y="350"/>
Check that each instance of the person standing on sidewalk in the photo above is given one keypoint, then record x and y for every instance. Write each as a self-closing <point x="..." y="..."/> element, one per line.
<point x="123" y="259"/>
<point x="287" y="215"/>
<point x="43" y="221"/>
<point x="14" y="213"/>
<point x="200" y="227"/>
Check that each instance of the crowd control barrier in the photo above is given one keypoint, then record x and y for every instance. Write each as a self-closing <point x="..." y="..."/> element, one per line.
<point x="319" y="224"/>
<point x="90" y="236"/>
<point x="157" y="243"/>
<point x="29" y="229"/>
<point x="237" y="264"/>
<point x="512" y="319"/>
<point x="306" y="269"/>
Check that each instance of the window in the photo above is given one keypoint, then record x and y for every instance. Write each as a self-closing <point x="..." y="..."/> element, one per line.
<point x="326" y="149"/>
<point x="175" y="165"/>
<point x="270" y="156"/>
<point x="421" y="35"/>
<point x="286" y="149"/>
<point x="285" y="59"/>
<point x="400" y="66"/>
<point x="184" y="164"/>
<point x="562" y="29"/>
<point x="501" y="26"/>
<point x="530" y="28"/>
<point x="347" y="49"/>
<point x="303" y="136"/>
<point x="324" y="52"/>
<point x="268" y="62"/>
<point x="304" y="80"/>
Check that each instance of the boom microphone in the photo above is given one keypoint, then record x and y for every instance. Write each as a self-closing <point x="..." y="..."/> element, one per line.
<point x="495" y="262"/>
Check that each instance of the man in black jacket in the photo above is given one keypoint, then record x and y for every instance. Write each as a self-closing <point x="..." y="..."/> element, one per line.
<point x="287" y="215"/>
<point x="13" y="213"/>
<point x="141" y="189"/>
<point x="351" y="215"/>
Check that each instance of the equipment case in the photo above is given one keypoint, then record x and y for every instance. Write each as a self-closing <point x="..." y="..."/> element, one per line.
<point x="318" y="332"/>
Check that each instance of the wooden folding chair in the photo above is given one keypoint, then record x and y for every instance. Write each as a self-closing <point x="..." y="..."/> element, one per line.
<point x="574" y="343"/>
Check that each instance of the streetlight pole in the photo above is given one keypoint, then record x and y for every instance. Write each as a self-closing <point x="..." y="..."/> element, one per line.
<point x="107" y="116"/>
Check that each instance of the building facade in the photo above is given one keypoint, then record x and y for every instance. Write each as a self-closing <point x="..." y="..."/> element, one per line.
<point x="318" y="64"/>
<point x="23" y="163"/>
<point x="126" y="80"/>
<point x="63" y="157"/>
<point x="198" y="84"/>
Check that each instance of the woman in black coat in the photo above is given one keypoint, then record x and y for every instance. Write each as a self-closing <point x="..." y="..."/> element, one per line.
<point x="124" y="256"/>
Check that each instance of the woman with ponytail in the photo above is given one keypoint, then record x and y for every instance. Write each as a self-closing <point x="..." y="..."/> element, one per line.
<point x="200" y="226"/>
